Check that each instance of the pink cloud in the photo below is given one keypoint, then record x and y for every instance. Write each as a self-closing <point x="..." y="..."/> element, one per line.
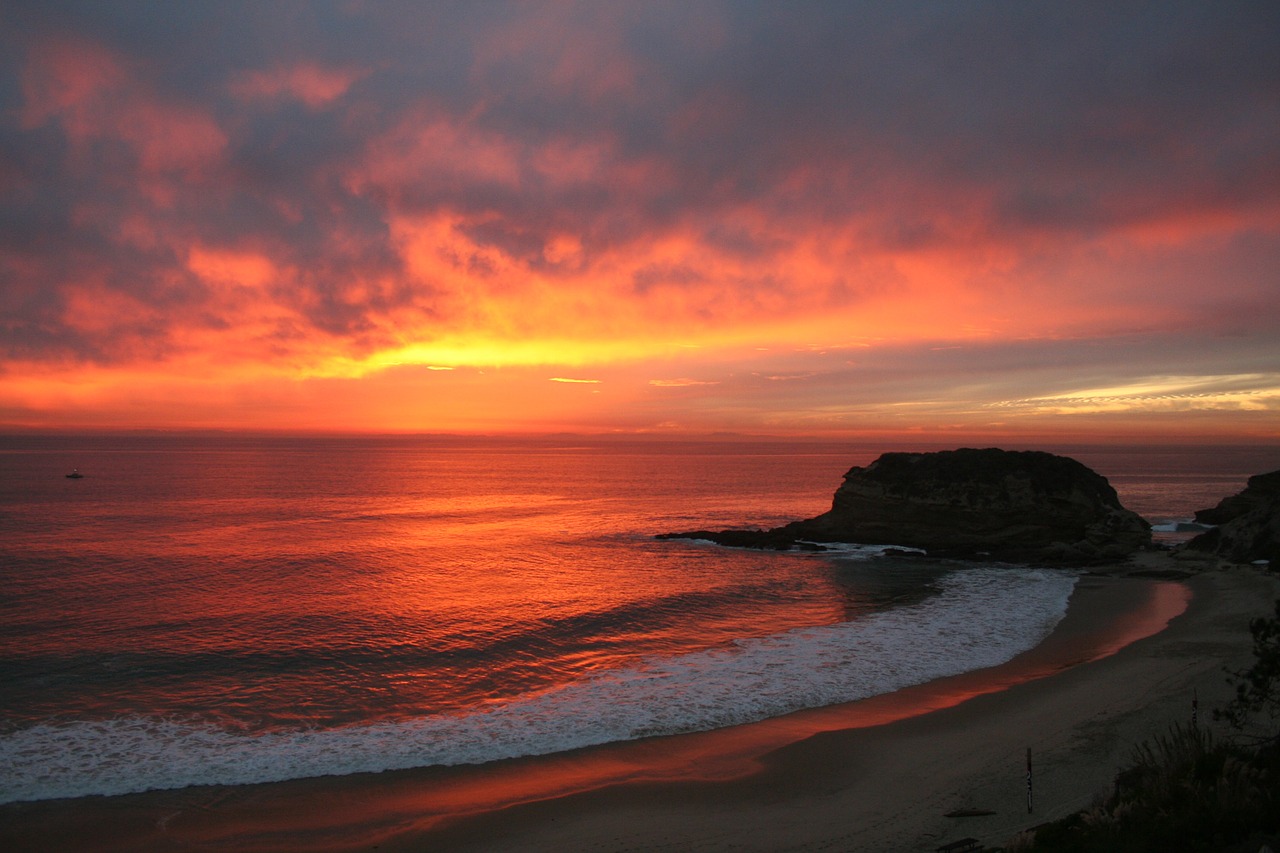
<point x="430" y="148"/>
<point x="312" y="84"/>
<point x="95" y="96"/>
<point x="62" y="80"/>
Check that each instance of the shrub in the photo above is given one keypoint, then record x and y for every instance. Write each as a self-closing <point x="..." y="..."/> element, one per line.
<point x="1183" y="792"/>
<point x="1258" y="687"/>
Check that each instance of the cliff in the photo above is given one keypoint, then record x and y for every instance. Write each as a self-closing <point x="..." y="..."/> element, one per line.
<point x="1248" y="524"/>
<point x="1024" y="506"/>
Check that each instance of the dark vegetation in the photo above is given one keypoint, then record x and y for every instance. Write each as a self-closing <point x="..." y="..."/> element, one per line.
<point x="1185" y="791"/>
<point x="1258" y="687"/>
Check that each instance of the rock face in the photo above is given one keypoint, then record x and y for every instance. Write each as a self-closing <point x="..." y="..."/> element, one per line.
<point x="1248" y="524"/>
<point x="998" y="504"/>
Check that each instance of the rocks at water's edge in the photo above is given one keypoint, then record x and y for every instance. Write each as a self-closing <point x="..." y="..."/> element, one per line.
<point x="1248" y="524"/>
<point x="1025" y="506"/>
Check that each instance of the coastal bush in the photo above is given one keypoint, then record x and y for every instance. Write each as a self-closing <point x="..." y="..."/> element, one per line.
<point x="1258" y="687"/>
<point x="1183" y="791"/>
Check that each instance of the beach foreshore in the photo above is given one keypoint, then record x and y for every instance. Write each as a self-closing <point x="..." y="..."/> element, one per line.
<point x="881" y="774"/>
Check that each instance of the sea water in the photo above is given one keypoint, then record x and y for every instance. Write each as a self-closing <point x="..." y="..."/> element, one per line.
<point x="233" y="609"/>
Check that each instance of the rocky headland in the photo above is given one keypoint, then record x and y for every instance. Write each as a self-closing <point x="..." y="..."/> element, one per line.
<point x="1023" y="506"/>
<point x="1247" y="524"/>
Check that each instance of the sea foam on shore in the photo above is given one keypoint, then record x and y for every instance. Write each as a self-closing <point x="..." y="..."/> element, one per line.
<point x="979" y="617"/>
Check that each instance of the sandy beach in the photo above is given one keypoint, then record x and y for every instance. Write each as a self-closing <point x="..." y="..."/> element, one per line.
<point x="875" y="775"/>
<point x="888" y="787"/>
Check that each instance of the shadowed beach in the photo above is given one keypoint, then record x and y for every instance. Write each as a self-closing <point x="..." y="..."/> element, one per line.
<point x="881" y="774"/>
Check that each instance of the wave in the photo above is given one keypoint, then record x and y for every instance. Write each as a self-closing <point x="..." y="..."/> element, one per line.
<point x="982" y="617"/>
<point x="225" y="665"/>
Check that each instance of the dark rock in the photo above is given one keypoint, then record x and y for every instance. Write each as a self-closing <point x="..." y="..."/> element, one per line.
<point x="995" y="504"/>
<point x="1248" y="524"/>
<point x="1010" y="504"/>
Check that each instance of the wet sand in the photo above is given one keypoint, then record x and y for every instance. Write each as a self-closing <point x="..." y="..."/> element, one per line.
<point x="874" y="775"/>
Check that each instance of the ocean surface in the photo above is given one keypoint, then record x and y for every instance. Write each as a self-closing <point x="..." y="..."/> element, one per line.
<point x="232" y="610"/>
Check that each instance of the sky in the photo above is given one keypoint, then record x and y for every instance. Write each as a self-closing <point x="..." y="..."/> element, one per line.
<point x="978" y="219"/>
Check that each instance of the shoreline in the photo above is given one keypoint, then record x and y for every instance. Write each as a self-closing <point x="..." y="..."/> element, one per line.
<point x="876" y="774"/>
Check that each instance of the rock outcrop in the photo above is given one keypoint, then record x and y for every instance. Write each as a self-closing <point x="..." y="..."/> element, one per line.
<point x="1248" y="524"/>
<point x="1024" y="506"/>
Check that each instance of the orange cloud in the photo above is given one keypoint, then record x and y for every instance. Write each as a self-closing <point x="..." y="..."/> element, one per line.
<point x="245" y="269"/>
<point x="91" y="307"/>
<point x="556" y="191"/>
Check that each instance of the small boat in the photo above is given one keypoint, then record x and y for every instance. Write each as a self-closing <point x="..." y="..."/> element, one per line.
<point x="75" y="474"/>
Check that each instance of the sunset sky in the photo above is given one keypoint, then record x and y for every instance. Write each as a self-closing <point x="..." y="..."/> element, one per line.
<point x="972" y="219"/>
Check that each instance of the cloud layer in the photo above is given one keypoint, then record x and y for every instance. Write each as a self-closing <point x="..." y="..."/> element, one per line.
<point x="715" y="215"/>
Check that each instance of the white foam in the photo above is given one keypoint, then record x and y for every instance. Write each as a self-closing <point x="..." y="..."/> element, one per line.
<point x="853" y="550"/>
<point x="982" y="617"/>
<point x="1180" y="527"/>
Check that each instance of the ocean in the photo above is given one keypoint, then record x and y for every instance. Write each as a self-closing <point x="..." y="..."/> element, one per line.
<point x="237" y="609"/>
